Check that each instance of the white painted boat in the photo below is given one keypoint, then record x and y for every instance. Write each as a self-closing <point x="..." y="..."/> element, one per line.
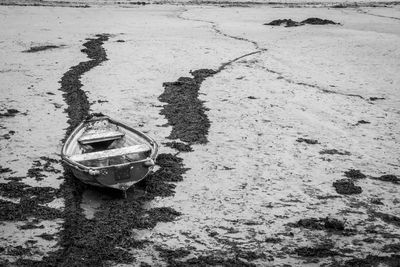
<point x="107" y="153"/>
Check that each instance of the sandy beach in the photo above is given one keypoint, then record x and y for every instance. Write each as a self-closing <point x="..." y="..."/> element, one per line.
<point x="279" y="146"/>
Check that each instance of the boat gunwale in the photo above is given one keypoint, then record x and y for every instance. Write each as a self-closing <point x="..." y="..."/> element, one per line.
<point x="66" y="159"/>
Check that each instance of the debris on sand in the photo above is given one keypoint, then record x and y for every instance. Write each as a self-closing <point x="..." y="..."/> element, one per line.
<point x="292" y="23"/>
<point x="334" y="152"/>
<point x="181" y="147"/>
<point x="346" y="187"/>
<point x="328" y="224"/>
<point x="39" y="48"/>
<point x="354" y="174"/>
<point x="9" y="113"/>
<point x="324" y="250"/>
<point x="120" y="41"/>
<point x="184" y="111"/>
<point x="308" y="141"/>
<point x="388" y="178"/>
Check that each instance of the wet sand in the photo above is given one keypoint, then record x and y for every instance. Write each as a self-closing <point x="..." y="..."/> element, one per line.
<point x="279" y="145"/>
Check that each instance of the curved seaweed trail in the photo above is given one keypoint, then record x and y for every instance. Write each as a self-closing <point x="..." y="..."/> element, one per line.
<point x="74" y="96"/>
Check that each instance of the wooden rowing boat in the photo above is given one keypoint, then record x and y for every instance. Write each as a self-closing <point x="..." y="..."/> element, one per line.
<point x="107" y="153"/>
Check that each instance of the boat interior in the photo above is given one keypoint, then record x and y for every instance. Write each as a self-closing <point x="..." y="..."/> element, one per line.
<point x="101" y="143"/>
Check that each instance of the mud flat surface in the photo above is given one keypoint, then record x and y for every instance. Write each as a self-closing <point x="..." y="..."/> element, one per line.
<point x="279" y="145"/>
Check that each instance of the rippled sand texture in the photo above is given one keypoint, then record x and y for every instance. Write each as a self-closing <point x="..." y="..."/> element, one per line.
<point x="248" y="187"/>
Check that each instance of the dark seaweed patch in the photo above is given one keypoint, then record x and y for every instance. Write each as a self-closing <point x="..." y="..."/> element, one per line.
<point x="46" y="236"/>
<point x="317" y="251"/>
<point x="39" y="48"/>
<point x="26" y="208"/>
<point x="354" y="174"/>
<point x="273" y="240"/>
<point x="38" y="167"/>
<point x="334" y="152"/>
<point x="387" y="218"/>
<point x="179" y="146"/>
<point x="18" y="251"/>
<point x="329" y="224"/>
<point x="341" y="5"/>
<point x="15" y="189"/>
<point x="9" y="113"/>
<point x="171" y="255"/>
<point x="346" y="187"/>
<point x="292" y="23"/>
<point x="184" y="111"/>
<point x="307" y="141"/>
<point x="318" y="21"/>
<point x="213" y="260"/>
<point x="284" y="22"/>
<point x="389" y="248"/>
<point x="159" y="183"/>
<point x="374" y="261"/>
<point x="4" y="170"/>
<point x="388" y="178"/>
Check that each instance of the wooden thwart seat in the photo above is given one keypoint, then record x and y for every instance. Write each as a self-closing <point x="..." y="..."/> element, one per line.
<point x="91" y="138"/>
<point x="111" y="153"/>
